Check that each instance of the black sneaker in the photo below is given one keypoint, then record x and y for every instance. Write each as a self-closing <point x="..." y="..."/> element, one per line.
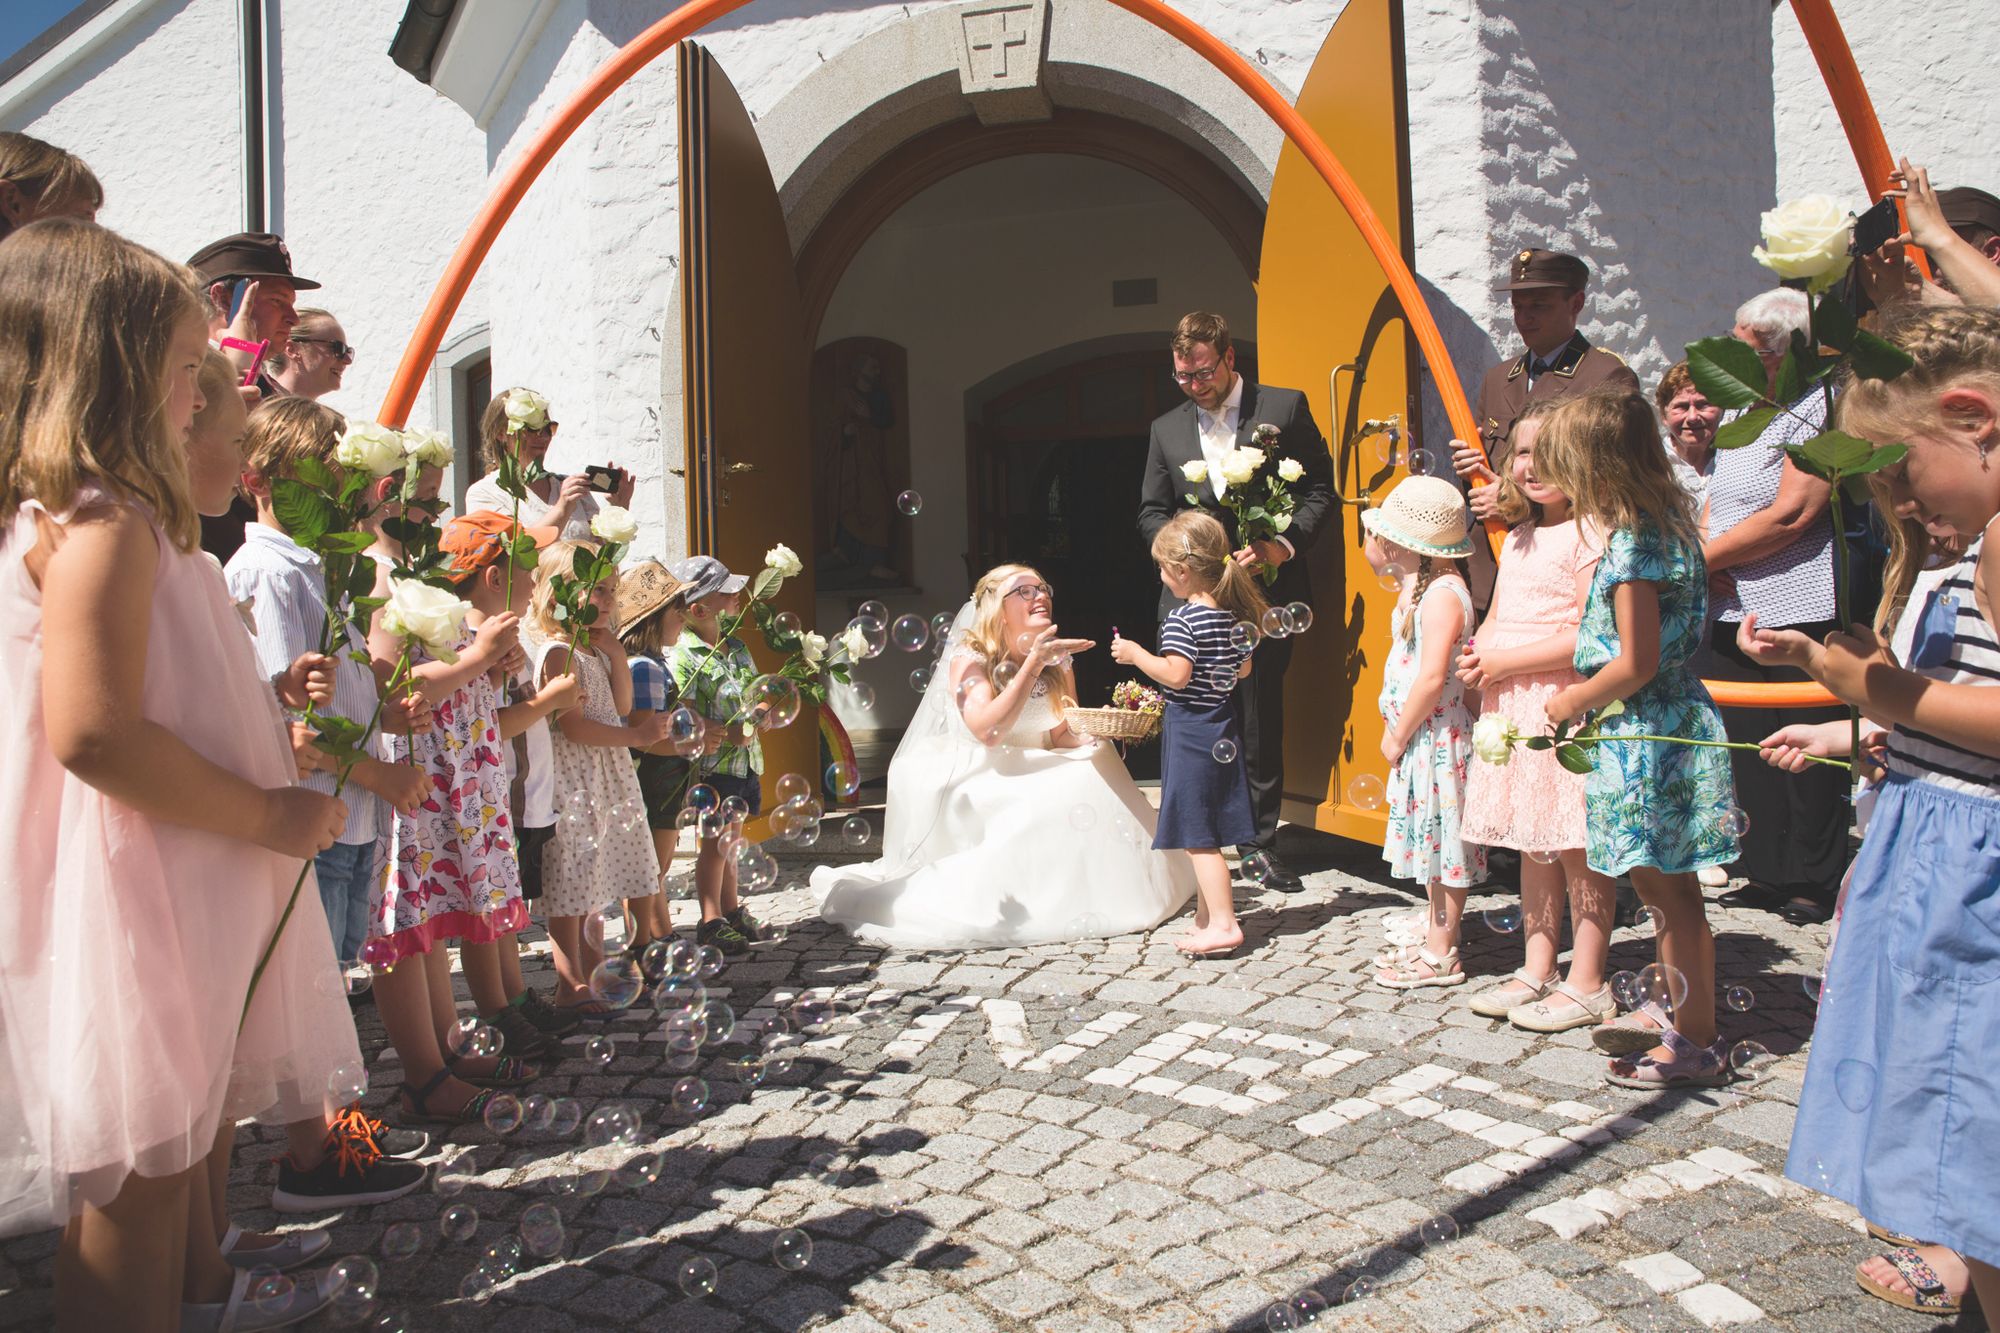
<point x="723" y="935"/>
<point x="749" y="927"/>
<point x="352" y="1173"/>
<point x="545" y="1016"/>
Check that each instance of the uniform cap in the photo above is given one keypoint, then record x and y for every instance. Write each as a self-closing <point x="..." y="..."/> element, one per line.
<point x="247" y="254"/>
<point x="1969" y="206"/>
<point x="1545" y="268"/>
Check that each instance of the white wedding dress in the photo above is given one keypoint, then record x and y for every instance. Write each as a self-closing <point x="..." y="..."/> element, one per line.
<point x="1009" y="844"/>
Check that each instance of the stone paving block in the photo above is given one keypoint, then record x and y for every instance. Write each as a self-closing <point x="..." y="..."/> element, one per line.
<point x="1568" y="1218"/>
<point x="944" y="1314"/>
<point x="1252" y="1249"/>
<point x="1126" y="1286"/>
<point x="1012" y="1228"/>
<point x="1165" y="1169"/>
<point x="1716" y="1306"/>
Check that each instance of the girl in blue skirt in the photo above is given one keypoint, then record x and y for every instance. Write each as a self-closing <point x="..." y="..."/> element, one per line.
<point x="1900" y="1114"/>
<point x="1204" y="792"/>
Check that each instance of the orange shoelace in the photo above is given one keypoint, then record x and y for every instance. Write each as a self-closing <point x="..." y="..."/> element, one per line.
<point x="352" y="1138"/>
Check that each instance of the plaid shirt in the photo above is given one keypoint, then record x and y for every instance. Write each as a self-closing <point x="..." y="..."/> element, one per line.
<point x="652" y="688"/>
<point x="700" y="679"/>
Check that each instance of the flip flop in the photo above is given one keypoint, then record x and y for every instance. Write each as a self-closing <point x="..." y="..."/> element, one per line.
<point x="1888" y="1237"/>
<point x="508" y="1072"/>
<point x="1930" y="1296"/>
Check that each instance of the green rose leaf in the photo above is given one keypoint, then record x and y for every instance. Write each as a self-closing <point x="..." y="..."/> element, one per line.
<point x="307" y="515"/>
<point x="1884" y="455"/>
<point x="1745" y="429"/>
<point x="1574" y="759"/>
<point x="1876" y="358"/>
<point x="314" y="472"/>
<point x="1727" y="372"/>
<point x="588" y="615"/>
<point x="1800" y="361"/>
<point x="1834" y="452"/>
<point x="1855" y="488"/>
<point x="767" y="582"/>
<point x="347" y="543"/>
<point x="1537" y="742"/>
<point x="337" y="731"/>
<point x="1833" y="324"/>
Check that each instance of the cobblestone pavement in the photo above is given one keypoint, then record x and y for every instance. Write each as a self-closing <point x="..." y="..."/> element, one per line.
<point x="1102" y="1136"/>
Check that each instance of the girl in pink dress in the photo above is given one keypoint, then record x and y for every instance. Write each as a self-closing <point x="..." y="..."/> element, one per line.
<point x="153" y="828"/>
<point x="1522" y="655"/>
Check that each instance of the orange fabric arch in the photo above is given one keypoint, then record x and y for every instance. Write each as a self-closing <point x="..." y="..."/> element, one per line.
<point x="514" y="181"/>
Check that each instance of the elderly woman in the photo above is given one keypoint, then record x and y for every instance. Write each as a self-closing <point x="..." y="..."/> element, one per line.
<point x="316" y="356"/>
<point x="1770" y="554"/>
<point x="1691" y="421"/>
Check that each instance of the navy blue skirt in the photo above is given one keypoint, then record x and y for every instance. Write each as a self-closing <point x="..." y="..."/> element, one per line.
<point x="1204" y="800"/>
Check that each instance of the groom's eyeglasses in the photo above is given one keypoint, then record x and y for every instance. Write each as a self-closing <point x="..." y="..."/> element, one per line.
<point x="1031" y="591"/>
<point x="1204" y="375"/>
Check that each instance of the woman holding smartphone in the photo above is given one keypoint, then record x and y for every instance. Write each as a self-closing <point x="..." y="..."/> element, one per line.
<point x="518" y="422"/>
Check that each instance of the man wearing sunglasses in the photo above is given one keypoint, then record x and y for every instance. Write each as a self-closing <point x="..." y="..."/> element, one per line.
<point x="1221" y="413"/>
<point x="316" y="355"/>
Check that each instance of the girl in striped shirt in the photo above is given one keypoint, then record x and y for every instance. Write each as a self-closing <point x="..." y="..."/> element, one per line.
<point x="1204" y="794"/>
<point x="1900" y="1100"/>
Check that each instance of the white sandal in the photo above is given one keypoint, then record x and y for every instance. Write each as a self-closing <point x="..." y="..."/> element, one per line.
<point x="1408" y="929"/>
<point x="1403" y="979"/>
<point x="1565" y="1009"/>
<point x="293" y="1249"/>
<point x="1506" y="997"/>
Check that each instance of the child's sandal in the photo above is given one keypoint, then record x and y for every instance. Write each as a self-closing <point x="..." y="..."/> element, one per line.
<point x="472" y="1113"/>
<point x="508" y="1072"/>
<point x="1427" y="969"/>
<point x="1632" y="1033"/>
<point x="1687" y="1066"/>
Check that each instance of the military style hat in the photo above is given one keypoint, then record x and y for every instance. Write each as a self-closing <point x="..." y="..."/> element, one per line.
<point x="1545" y="268"/>
<point x="1969" y="206"/>
<point x="247" y="254"/>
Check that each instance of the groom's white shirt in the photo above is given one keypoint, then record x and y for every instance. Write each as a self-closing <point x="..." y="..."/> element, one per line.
<point x="1218" y="434"/>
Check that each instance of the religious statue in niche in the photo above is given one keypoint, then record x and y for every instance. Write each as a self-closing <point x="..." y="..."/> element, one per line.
<point x="861" y="463"/>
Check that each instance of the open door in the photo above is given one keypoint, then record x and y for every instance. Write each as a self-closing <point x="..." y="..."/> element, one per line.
<point x="1328" y="323"/>
<point x="746" y="368"/>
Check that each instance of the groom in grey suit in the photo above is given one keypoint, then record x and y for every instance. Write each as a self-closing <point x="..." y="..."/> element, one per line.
<point x="1222" y="412"/>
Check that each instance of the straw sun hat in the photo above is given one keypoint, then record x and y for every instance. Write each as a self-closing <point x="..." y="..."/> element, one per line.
<point x="1425" y="515"/>
<point x="643" y="589"/>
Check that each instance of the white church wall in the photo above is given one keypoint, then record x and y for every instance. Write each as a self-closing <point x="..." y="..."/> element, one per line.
<point x="965" y="279"/>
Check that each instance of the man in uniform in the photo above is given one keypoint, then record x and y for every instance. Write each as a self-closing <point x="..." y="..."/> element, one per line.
<point x="1547" y="288"/>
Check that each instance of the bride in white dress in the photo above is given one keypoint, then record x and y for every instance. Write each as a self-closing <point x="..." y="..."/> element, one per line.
<point x="1004" y="827"/>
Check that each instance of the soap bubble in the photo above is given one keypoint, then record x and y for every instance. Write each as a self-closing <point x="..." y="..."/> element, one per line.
<point x="855" y="831"/>
<point x="793" y="787"/>
<point x="696" y="1277"/>
<point x="476" y="1287"/>
<point x="920" y="679"/>
<point x="679" y="994"/>
<point x="863" y="695"/>
<point x="1307" y="1305"/>
<point x="453" y="1176"/>
<point x="600" y="1051"/>
<point x="611" y="1125"/>
<point x="721" y="1020"/>
<point x="872" y="613"/>
<point x="1082" y="817"/>
<point x="1366" y="792"/>
<point x="458" y="1223"/>
<point x="786" y="623"/>
<point x="1280" y="1318"/>
<point x="1504" y="920"/>
<point x="542" y="1230"/>
<point x="353" y="1282"/>
<point x="1740" y="999"/>
<point x="356" y="978"/>
<point x="683" y="958"/>
<point x="701" y="798"/>
<point x="270" y="1291"/>
<point x="910" y="633"/>
<point x="684" y="727"/>
<point x="503" y="1113"/>
<point x="1662" y="985"/>
<point x="565" y="1114"/>
<point x="638" y="1171"/>
<point x="1302" y="616"/>
<point x="1732" y="823"/>
<point x="1543" y="856"/>
<point x="690" y="1096"/>
<point x="874" y="636"/>
<point x="502" y="1258"/>
<point x="1750" y="1060"/>
<point x="472" y="1039"/>
<point x="735" y="809"/>
<point x="1854" y="1081"/>
<point x="1420" y="462"/>
<point x="1437" y="1230"/>
<point x="627" y="816"/>
<point x="378" y="953"/>
<point x="1625" y="989"/>
<point x="1651" y="918"/>
<point x="772" y="702"/>
<point x="402" y="1241"/>
<point x="710" y="961"/>
<point x="909" y="504"/>
<point x="792" y="1249"/>
<point x="1364" y="1286"/>
<point x="842" y="779"/>
<point x="617" y="982"/>
<point x="347" y="1083"/>
<point x="1275" y="623"/>
<point x="1257" y="867"/>
<point x="1224" y="751"/>
<point x="893" y="1197"/>
<point x="1243" y="634"/>
<point x="1815" y="984"/>
<point x="1003" y="674"/>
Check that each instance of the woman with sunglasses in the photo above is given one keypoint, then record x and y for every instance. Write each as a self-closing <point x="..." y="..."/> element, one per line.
<point x="1003" y="826"/>
<point x="316" y="355"/>
<point x="566" y="504"/>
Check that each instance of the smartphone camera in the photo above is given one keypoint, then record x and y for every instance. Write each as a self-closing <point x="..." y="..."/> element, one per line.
<point x="604" y="478"/>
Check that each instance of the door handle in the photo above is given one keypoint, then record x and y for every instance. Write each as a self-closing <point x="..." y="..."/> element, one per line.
<point x="737" y="469"/>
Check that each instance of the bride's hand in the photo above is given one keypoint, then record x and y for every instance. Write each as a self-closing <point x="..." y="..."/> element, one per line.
<point x="1047" y="648"/>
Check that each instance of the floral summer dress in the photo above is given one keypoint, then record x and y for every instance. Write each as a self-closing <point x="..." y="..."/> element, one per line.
<point x="448" y="870"/>
<point x="1427" y="785"/>
<point x="1650" y="803"/>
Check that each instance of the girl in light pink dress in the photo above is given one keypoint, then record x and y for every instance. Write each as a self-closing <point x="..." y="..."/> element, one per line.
<point x="1522" y="655"/>
<point x="153" y="830"/>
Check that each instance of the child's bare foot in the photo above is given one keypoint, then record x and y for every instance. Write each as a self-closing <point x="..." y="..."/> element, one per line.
<point x="1927" y="1278"/>
<point x="1210" y="941"/>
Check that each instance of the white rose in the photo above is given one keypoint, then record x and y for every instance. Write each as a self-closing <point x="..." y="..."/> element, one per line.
<point x="1241" y="464"/>
<point x="526" y="410"/>
<point x="783" y="559"/>
<point x="426" y="615"/>
<point x="1493" y="738"/>
<point x="429" y="448"/>
<point x="371" y="448"/>
<point x="1291" y="469"/>
<point x="855" y="641"/>
<point x="1196" y="472"/>
<point x="613" y="524"/>
<point x="1807" y="238"/>
<point x="812" y="647"/>
<point x="1280" y="522"/>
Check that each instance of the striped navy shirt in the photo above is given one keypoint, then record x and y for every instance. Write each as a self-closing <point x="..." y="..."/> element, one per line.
<point x="287" y="594"/>
<point x="1202" y="635"/>
<point x="1953" y="643"/>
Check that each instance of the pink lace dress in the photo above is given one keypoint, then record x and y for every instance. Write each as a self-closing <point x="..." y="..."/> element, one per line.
<point x="126" y="943"/>
<point x="1531" y="803"/>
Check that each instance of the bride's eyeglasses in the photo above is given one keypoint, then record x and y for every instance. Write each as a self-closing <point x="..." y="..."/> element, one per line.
<point x="1031" y="592"/>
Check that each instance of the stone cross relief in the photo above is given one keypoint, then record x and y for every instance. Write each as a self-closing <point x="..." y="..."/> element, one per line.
<point x="1000" y="60"/>
<point x="989" y="36"/>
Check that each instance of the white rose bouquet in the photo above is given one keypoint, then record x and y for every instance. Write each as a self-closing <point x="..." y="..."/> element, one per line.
<point x="614" y="524"/>
<point x="372" y="448"/>
<point x="1259" y="496"/>
<point x="1807" y="238"/>
<point x="427" y="448"/>
<point x="526" y="410"/>
<point x="431" y="617"/>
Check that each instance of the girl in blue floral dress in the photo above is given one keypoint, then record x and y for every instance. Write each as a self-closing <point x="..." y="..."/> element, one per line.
<point x="1652" y="809"/>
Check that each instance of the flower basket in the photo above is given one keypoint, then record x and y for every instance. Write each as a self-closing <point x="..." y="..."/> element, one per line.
<point x="1112" y="724"/>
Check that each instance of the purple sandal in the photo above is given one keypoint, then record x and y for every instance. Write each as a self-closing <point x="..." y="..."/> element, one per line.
<point x="1692" y="1066"/>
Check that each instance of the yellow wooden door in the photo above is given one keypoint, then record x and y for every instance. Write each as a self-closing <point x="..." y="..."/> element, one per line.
<point x="746" y="367"/>
<point x="1328" y="323"/>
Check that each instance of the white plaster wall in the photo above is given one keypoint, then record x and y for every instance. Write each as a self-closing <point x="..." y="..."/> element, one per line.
<point x="964" y="278"/>
<point x="1929" y="73"/>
